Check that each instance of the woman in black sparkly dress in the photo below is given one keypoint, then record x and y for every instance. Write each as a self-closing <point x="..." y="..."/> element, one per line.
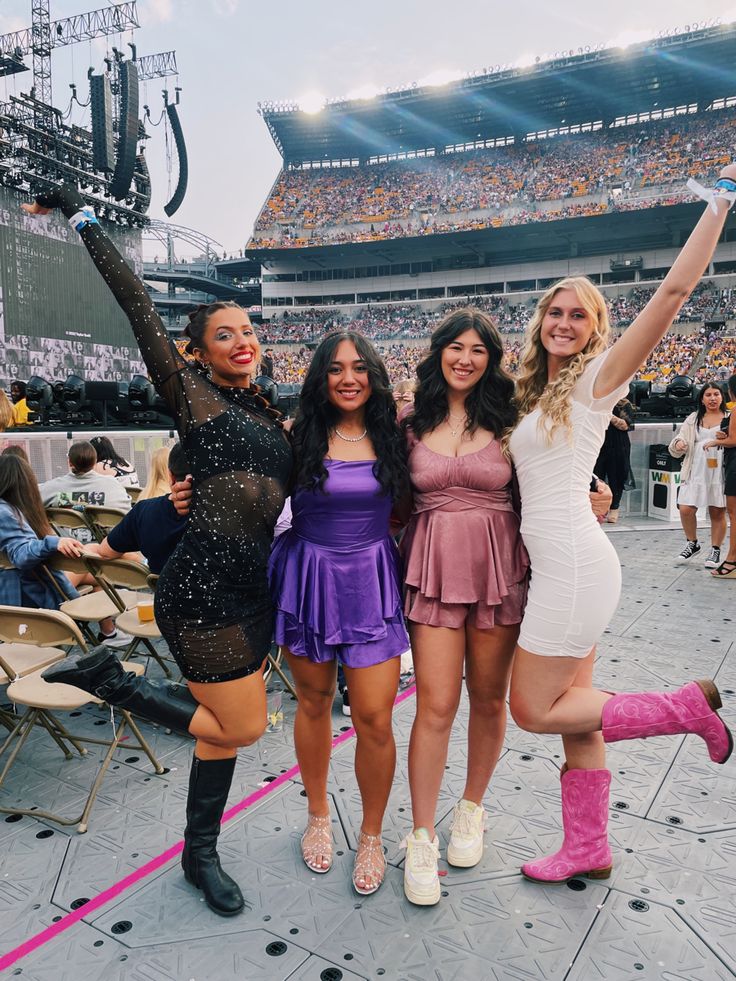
<point x="212" y="600"/>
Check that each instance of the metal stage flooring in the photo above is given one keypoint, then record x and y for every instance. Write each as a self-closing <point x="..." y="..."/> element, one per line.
<point x="667" y="912"/>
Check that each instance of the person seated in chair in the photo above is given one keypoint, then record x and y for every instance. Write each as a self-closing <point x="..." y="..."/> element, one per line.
<point x="152" y="527"/>
<point x="83" y="485"/>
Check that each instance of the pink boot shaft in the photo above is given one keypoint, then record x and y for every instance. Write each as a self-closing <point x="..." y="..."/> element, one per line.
<point x="585" y="848"/>
<point x="690" y="709"/>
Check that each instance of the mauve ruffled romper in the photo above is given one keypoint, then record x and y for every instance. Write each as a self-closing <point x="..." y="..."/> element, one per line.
<point x="463" y="556"/>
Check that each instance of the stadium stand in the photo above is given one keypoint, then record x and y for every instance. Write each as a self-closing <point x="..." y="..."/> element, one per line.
<point x="626" y="168"/>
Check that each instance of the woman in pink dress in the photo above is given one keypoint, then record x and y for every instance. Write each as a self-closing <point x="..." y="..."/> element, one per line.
<point x="465" y="570"/>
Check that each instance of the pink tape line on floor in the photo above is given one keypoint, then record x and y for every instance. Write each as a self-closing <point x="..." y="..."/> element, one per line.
<point x="112" y="892"/>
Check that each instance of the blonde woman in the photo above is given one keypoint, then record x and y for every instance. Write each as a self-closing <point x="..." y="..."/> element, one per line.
<point x="7" y="418"/>
<point x="158" y="475"/>
<point x="568" y="384"/>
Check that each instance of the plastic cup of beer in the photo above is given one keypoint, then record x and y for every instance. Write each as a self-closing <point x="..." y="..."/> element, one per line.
<point x="145" y="610"/>
<point x="711" y="458"/>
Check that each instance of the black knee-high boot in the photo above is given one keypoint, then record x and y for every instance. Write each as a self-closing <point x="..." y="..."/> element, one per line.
<point x="101" y="674"/>
<point x="209" y="785"/>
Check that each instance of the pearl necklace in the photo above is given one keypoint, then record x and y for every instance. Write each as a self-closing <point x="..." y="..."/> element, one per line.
<point x="351" y="439"/>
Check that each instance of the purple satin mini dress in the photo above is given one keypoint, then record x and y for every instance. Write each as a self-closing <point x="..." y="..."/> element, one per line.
<point x="335" y="576"/>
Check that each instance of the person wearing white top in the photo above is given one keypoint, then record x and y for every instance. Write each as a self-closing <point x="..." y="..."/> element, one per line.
<point x="701" y="476"/>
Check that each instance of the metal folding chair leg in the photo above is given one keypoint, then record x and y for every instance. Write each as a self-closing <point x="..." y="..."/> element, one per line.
<point x="275" y="663"/>
<point x="112" y="746"/>
<point x="24" y="728"/>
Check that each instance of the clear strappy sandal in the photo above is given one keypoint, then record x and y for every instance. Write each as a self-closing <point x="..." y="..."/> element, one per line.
<point x="317" y="840"/>
<point x="370" y="863"/>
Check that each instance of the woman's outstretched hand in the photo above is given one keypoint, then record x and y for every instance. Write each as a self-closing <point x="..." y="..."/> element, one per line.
<point x="35" y="209"/>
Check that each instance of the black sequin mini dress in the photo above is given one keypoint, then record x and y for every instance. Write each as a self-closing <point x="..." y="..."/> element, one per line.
<point x="212" y="600"/>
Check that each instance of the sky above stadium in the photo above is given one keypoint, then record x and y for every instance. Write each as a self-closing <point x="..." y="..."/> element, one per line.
<point x="232" y="53"/>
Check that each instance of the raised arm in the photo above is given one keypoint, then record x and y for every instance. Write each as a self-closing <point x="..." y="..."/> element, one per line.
<point x="639" y="340"/>
<point x="161" y="359"/>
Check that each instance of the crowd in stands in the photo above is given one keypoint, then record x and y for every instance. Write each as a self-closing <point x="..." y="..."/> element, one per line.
<point x="719" y="360"/>
<point x="616" y="169"/>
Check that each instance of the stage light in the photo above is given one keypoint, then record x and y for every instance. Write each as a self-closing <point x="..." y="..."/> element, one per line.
<point x="73" y="393"/>
<point x="141" y="394"/>
<point x="269" y="389"/>
<point x="39" y="397"/>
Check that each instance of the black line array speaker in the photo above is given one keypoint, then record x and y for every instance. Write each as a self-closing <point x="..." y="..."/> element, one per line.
<point x="103" y="149"/>
<point x="142" y="183"/>
<point x="128" y="138"/>
<point x="181" y="149"/>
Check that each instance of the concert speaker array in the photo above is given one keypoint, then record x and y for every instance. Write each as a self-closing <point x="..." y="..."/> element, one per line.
<point x="128" y="138"/>
<point x="181" y="188"/>
<point x="142" y="183"/>
<point x="103" y="149"/>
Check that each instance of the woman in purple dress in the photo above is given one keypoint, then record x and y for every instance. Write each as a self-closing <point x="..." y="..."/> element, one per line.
<point x="336" y="586"/>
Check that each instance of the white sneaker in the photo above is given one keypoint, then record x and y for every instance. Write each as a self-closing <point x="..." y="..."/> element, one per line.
<point x="714" y="558"/>
<point x="421" y="881"/>
<point x="118" y="638"/>
<point x="466" y="835"/>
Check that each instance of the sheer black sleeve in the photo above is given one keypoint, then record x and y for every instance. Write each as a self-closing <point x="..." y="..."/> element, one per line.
<point x="190" y="397"/>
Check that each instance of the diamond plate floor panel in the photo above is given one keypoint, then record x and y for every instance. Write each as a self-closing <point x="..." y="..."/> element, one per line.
<point x="668" y="911"/>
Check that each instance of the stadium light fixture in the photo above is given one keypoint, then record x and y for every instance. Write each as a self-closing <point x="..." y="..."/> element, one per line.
<point x="311" y="102"/>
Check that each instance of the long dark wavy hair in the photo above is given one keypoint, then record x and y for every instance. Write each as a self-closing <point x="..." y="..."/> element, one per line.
<point x="711" y="383"/>
<point x="490" y="404"/>
<point x="19" y="489"/>
<point x="316" y="416"/>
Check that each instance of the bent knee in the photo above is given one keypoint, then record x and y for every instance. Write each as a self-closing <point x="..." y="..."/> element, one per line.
<point x="527" y="716"/>
<point x="244" y="734"/>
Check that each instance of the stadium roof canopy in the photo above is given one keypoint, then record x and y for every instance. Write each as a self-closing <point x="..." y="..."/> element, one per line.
<point x="574" y="88"/>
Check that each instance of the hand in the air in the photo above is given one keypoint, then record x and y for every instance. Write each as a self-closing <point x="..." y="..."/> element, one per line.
<point x="35" y="209"/>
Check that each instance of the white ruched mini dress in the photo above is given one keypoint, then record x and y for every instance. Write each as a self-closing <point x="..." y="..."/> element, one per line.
<point x="575" y="573"/>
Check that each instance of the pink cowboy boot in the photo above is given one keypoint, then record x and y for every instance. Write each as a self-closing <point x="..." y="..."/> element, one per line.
<point x="585" y="848"/>
<point x="690" y="709"/>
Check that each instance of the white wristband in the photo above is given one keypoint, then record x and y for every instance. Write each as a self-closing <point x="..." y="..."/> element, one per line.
<point x="711" y="195"/>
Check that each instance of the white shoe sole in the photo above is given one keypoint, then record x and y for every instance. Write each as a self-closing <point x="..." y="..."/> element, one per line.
<point x="464" y="859"/>
<point x="420" y="898"/>
<point x="709" y="564"/>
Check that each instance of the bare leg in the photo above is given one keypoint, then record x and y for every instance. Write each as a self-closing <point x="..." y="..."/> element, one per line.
<point x="544" y="697"/>
<point x="438" y="662"/>
<point x="315" y="689"/>
<point x="487" y="672"/>
<point x="689" y="521"/>
<point x="731" y="508"/>
<point x="372" y="694"/>
<point x="717" y="526"/>
<point x="230" y="714"/>
<point x="585" y="751"/>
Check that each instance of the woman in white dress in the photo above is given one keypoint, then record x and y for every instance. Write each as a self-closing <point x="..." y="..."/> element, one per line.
<point x="568" y="384"/>
<point x="701" y="476"/>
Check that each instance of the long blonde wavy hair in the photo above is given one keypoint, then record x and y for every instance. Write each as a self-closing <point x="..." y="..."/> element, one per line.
<point x="553" y="398"/>
<point x="158" y="475"/>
